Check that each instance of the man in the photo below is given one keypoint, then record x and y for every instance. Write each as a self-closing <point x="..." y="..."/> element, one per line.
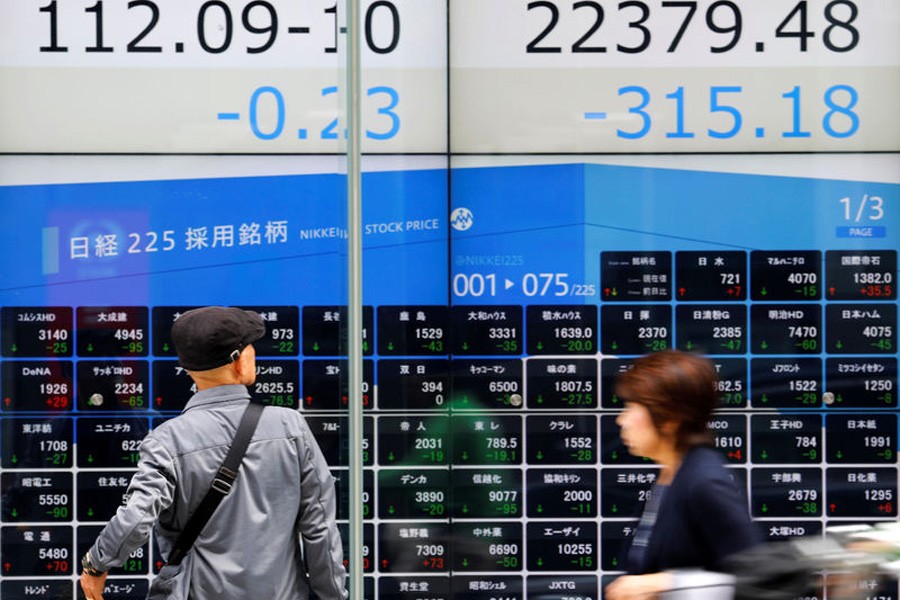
<point x="282" y="503"/>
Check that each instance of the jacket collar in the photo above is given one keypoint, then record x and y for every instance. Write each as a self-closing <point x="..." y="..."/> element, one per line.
<point x="217" y="395"/>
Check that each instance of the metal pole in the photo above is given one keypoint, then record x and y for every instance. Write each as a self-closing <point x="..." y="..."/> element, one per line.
<point x="354" y="301"/>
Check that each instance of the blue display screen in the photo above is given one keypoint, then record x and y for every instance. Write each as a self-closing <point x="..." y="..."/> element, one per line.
<point x="500" y="304"/>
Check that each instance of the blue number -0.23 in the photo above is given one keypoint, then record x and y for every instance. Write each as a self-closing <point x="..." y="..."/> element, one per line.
<point x="387" y="95"/>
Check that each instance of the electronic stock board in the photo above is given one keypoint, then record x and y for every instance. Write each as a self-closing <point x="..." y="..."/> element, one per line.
<point x="514" y="263"/>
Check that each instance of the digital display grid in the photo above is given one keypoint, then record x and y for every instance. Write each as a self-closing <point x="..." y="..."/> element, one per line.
<point x="492" y="462"/>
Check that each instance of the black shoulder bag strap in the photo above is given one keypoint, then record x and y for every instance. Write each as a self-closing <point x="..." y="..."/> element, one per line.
<point x="221" y="483"/>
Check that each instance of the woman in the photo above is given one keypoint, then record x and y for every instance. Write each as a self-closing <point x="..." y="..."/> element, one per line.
<point x="695" y="516"/>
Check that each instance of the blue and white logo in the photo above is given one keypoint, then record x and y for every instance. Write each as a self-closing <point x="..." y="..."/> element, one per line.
<point x="461" y="218"/>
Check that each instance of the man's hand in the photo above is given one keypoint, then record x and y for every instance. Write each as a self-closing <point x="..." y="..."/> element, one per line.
<point x="93" y="585"/>
<point x="638" y="587"/>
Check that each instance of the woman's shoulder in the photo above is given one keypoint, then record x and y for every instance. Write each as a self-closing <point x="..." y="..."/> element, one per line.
<point x="703" y="464"/>
<point x="703" y="455"/>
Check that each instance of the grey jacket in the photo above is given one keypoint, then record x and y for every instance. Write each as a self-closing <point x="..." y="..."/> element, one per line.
<point x="251" y="547"/>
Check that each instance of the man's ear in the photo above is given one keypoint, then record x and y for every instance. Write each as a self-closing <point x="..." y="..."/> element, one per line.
<point x="245" y="366"/>
<point x="238" y="366"/>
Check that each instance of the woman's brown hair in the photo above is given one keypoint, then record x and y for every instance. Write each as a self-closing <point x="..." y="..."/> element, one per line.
<point x="676" y="388"/>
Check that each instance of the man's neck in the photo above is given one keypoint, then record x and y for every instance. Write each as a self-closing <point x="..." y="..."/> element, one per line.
<point x="206" y="384"/>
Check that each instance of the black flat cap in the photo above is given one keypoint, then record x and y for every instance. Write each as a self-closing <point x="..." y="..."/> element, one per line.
<point x="212" y="336"/>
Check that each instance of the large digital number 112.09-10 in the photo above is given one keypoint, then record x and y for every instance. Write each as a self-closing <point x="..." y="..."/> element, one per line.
<point x="215" y="29"/>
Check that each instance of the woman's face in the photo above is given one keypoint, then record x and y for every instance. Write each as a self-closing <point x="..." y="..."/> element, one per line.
<point x="638" y="432"/>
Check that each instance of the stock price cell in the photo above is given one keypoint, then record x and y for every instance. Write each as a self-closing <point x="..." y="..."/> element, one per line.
<point x="368" y="565"/>
<point x="163" y="317"/>
<point x="635" y="276"/>
<point x="860" y="274"/>
<point x="861" y="382"/>
<point x="556" y="546"/>
<point x="113" y="385"/>
<point x="413" y="494"/>
<point x="487" y="546"/>
<point x="172" y="386"/>
<point x="876" y="588"/>
<point x="486" y="440"/>
<point x="635" y="329"/>
<point x="788" y="491"/>
<point x="610" y="370"/>
<point x="36" y="589"/>
<point x="614" y="543"/>
<point x="562" y="493"/>
<point x="110" y="442"/>
<point x="122" y="331"/>
<point x="38" y="386"/>
<point x="710" y="276"/>
<point x="612" y="450"/>
<point x="623" y="492"/>
<point x="100" y="493"/>
<point x="413" y="384"/>
<point x="561" y="439"/>
<point x="861" y="328"/>
<point x="413" y="330"/>
<point x="738" y="475"/>
<point x="487" y="586"/>
<point x="487" y="384"/>
<point x="33" y="443"/>
<point x="731" y="382"/>
<point x="729" y="436"/>
<point x="782" y="530"/>
<point x="414" y="587"/>
<point x="277" y="383"/>
<point x="36" y="497"/>
<point x="861" y="438"/>
<point x="414" y="440"/>
<point x="325" y="330"/>
<point x="282" y="336"/>
<point x="562" y="587"/>
<point x="326" y="387"/>
<point x="487" y="493"/>
<point x="414" y="547"/>
<point x="125" y="588"/>
<point x="786" y="438"/>
<point x="486" y="330"/>
<point x="561" y="330"/>
<point x="341" y="485"/>
<point x="562" y="383"/>
<point x="719" y="329"/>
<point x="864" y="492"/>
<point x="36" y="551"/>
<point x="786" y="328"/>
<point x="37" y="332"/>
<point x="786" y="275"/>
<point x="331" y="433"/>
<point x="137" y="563"/>
<point x="786" y="382"/>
